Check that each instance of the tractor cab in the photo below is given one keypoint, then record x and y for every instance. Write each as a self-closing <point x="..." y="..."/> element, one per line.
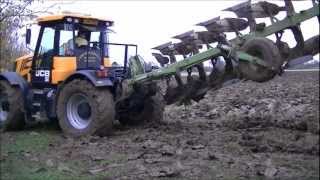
<point x="68" y="43"/>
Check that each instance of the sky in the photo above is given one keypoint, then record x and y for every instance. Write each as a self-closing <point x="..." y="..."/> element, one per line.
<point x="151" y="23"/>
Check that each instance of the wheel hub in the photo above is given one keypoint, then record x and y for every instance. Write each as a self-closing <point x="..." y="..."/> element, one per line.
<point x="84" y="110"/>
<point x="79" y="111"/>
<point x="4" y="108"/>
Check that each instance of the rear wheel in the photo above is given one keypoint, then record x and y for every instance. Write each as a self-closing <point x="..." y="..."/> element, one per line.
<point x="85" y="110"/>
<point x="152" y="111"/>
<point x="11" y="107"/>
<point x="266" y="50"/>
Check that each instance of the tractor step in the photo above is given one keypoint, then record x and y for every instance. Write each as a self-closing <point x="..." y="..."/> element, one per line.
<point x="36" y="115"/>
<point x="39" y="96"/>
<point x="37" y="104"/>
<point x="38" y="91"/>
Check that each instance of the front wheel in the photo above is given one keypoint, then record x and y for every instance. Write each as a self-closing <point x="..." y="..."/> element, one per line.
<point x="11" y="107"/>
<point x="85" y="110"/>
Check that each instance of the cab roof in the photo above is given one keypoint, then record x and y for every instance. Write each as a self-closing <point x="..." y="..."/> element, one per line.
<point x="64" y="15"/>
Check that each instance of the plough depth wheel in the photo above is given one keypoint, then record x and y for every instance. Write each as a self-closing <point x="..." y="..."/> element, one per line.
<point x="152" y="111"/>
<point x="266" y="50"/>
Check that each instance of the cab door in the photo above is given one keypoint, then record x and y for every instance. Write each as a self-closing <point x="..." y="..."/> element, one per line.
<point x="64" y="63"/>
<point x="43" y="57"/>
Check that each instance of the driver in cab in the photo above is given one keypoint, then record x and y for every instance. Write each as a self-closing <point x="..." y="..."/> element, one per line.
<point x="79" y="41"/>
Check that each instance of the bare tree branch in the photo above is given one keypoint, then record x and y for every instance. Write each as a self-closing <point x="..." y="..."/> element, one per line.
<point x="12" y="15"/>
<point x="20" y="9"/>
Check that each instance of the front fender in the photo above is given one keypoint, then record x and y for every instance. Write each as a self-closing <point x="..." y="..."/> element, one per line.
<point x="14" y="79"/>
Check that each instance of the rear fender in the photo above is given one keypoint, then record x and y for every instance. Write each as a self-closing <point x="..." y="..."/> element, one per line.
<point x="85" y="75"/>
<point x="91" y="77"/>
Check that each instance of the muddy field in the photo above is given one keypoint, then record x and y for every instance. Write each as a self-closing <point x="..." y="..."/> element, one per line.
<point x="247" y="130"/>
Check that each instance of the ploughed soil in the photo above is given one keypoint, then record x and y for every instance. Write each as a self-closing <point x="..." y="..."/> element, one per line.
<point x="246" y="130"/>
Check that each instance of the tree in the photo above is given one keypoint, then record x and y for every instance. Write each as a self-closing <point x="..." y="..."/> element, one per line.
<point x="12" y="15"/>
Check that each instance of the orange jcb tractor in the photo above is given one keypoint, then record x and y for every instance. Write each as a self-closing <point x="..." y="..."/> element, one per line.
<point x="71" y="80"/>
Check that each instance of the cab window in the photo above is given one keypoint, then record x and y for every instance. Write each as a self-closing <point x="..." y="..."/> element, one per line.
<point x="46" y="49"/>
<point x="66" y="43"/>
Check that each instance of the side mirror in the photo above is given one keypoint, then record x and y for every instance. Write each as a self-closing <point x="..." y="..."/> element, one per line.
<point x="28" y="36"/>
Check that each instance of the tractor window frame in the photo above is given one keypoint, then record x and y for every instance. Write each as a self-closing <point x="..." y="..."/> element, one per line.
<point x="57" y="26"/>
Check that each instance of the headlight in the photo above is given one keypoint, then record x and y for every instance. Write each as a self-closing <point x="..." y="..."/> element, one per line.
<point x="108" y="23"/>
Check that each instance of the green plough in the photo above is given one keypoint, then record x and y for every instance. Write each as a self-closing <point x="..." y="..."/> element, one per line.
<point x="252" y="56"/>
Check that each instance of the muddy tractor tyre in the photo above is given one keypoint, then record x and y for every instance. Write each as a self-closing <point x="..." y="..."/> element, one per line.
<point x="152" y="111"/>
<point x="84" y="110"/>
<point x="11" y="107"/>
<point x="266" y="50"/>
